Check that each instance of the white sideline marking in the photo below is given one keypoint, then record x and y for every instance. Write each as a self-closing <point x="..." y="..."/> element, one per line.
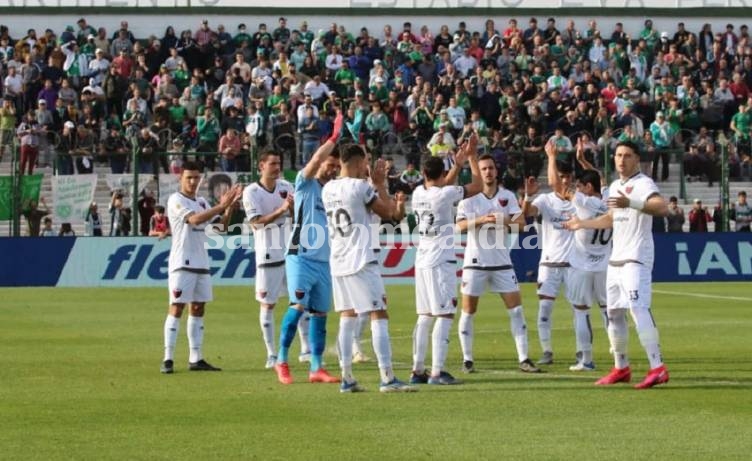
<point x="701" y="295"/>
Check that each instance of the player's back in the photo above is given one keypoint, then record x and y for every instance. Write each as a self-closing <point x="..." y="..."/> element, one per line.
<point x="188" y="242"/>
<point x="269" y="240"/>
<point x="556" y="242"/>
<point x="434" y="210"/>
<point x="309" y="238"/>
<point x="592" y="247"/>
<point x="633" y="229"/>
<point x="353" y="238"/>
<point x="486" y="245"/>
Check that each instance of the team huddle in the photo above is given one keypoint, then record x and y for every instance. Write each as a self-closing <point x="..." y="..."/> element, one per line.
<point x="319" y="237"/>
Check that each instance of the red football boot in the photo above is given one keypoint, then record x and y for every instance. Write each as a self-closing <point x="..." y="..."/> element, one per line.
<point x="321" y="376"/>
<point x="283" y="373"/>
<point x="617" y="375"/>
<point x="655" y="377"/>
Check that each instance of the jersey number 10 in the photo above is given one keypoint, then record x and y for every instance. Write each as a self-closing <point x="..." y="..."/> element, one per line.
<point x="602" y="236"/>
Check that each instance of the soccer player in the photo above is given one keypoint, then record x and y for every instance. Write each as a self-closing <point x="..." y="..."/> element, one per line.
<point x="557" y="243"/>
<point x="589" y="260"/>
<point x="189" y="280"/>
<point x="309" y="282"/>
<point x="633" y="200"/>
<point x="358" y="287"/>
<point x="268" y="204"/>
<point x="487" y="217"/>
<point x="435" y="264"/>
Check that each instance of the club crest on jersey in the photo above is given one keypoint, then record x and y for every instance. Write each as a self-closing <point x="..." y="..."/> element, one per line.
<point x="299" y="294"/>
<point x="262" y="293"/>
<point x="283" y="194"/>
<point x="177" y="293"/>
<point x="503" y="201"/>
<point x="629" y="189"/>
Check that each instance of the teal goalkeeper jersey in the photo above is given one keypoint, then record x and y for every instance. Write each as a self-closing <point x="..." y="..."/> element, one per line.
<point x="310" y="237"/>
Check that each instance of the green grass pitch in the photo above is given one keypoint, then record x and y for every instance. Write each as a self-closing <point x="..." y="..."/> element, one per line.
<point x="80" y="379"/>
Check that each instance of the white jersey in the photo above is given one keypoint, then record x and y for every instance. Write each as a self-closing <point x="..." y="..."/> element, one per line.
<point x="592" y="247"/>
<point x="347" y="202"/>
<point x="486" y="246"/>
<point x="188" y="247"/>
<point x="633" y="236"/>
<point x="434" y="209"/>
<point x="269" y="240"/>
<point x="556" y="242"/>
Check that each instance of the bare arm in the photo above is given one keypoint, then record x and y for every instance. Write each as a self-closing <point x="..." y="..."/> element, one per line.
<point x="476" y="186"/>
<point x="581" y="157"/>
<point x="655" y="205"/>
<point x="552" y="171"/>
<point x="260" y="221"/>
<point x="531" y="188"/>
<point x="604" y="221"/>
<point x="383" y="206"/>
<point x="321" y="154"/>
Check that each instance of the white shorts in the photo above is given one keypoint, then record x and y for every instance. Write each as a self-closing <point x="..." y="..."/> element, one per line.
<point x="270" y="283"/>
<point x="629" y="286"/>
<point x="189" y="287"/>
<point x="436" y="290"/>
<point x="475" y="282"/>
<point x="586" y="287"/>
<point x="362" y="291"/>
<point x="550" y="280"/>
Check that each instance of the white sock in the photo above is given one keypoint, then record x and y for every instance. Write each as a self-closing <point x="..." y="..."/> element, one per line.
<point x="648" y="334"/>
<point x="266" y="320"/>
<point x="383" y="348"/>
<point x="465" y="330"/>
<point x="604" y="317"/>
<point x="545" y="309"/>
<point x="303" y="327"/>
<point x="618" y="336"/>
<point x="344" y="344"/>
<point x="171" y="328"/>
<point x="420" y="342"/>
<point x="519" y="331"/>
<point x="583" y="334"/>
<point x="195" y="338"/>
<point x="358" y="334"/>
<point x="440" y="344"/>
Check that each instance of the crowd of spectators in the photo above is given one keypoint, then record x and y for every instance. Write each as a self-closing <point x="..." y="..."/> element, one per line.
<point x="90" y="95"/>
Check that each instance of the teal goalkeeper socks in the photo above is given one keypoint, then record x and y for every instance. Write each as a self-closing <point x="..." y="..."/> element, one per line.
<point x="287" y="332"/>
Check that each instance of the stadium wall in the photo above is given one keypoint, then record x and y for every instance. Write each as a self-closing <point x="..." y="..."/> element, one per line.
<point x="142" y="262"/>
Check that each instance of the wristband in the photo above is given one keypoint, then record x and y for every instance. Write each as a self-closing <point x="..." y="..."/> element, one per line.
<point x="529" y="198"/>
<point x="636" y="204"/>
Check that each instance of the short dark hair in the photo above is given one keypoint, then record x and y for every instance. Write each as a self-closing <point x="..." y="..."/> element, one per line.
<point x="591" y="177"/>
<point x="159" y="209"/>
<point x="348" y="152"/>
<point x="433" y="168"/>
<point x="266" y="153"/>
<point x="673" y="199"/>
<point x="191" y="166"/>
<point x="486" y="157"/>
<point x="629" y="144"/>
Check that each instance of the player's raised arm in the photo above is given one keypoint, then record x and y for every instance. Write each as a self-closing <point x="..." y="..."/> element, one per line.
<point x="580" y="154"/>
<point x="383" y="205"/>
<point x="531" y="189"/>
<point x="476" y="185"/>
<point x="322" y="153"/>
<point x="551" y="171"/>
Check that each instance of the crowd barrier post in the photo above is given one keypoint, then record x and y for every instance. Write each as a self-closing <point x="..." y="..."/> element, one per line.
<point x="724" y="183"/>
<point x="682" y="178"/>
<point x="134" y="201"/>
<point x="15" y="201"/>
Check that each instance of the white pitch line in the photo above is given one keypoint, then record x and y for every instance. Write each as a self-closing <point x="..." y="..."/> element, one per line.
<point x="701" y="295"/>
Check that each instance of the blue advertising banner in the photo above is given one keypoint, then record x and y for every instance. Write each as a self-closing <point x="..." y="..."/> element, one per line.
<point x="140" y="261"/>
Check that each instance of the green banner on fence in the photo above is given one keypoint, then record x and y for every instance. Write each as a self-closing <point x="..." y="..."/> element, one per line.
<point x="31" y="186"/>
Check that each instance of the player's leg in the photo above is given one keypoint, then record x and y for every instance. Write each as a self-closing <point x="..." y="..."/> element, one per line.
<point x="579" y="294"/>
<point x="269" y="281"/>
<point x="444" y="285"/>
<point x="171" y="328"/>
<point x="304" y="329"/>
<point x="505" y="283"/>
<point x="618" y="335"/>
<point x="647" y="331"/>
<point x="600" y="296"/>
<point x="422" y="326"/>
<point x="320" y="303"/>
<point x="473" y="284"/>
<point x="358" y="355"/>
<point x="299" y="283"/>
<point x="196" y="339"/>
<point x="549" y="281"/>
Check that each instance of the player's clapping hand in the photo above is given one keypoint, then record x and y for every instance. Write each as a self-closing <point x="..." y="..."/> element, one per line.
<point x="622" y="201"/>
<point x="400" y="198"/>
<point x="378" y="173"/>
<point x="231" y="196"/>
<point x="288" y="203"/>
<point x="531" y="186"/>
<point x="550" y="149"/>
<point x="339" y="120"/>
<point x="490" y="218"/>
